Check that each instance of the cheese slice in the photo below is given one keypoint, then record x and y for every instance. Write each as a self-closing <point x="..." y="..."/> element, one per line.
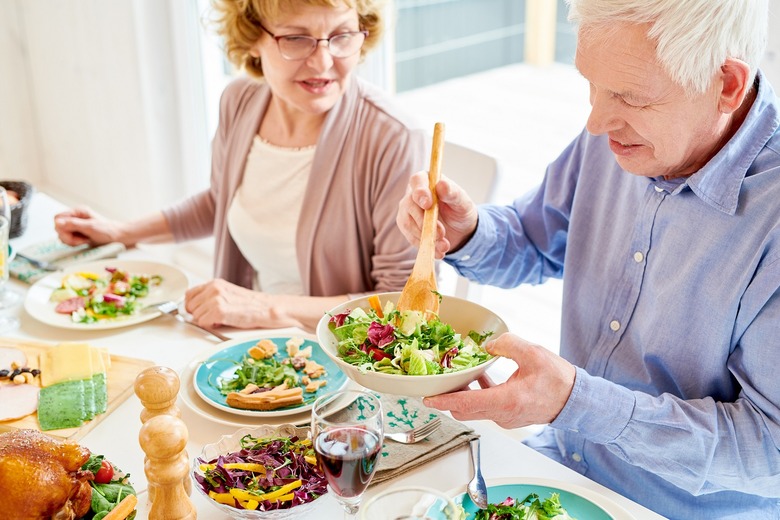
<point x="69" y="362"/>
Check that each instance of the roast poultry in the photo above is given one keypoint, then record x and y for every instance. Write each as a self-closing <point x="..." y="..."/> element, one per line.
<point x="41" y="477"/>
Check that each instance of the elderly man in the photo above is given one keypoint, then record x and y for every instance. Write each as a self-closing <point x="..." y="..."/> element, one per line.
<point x="663" y="219"/>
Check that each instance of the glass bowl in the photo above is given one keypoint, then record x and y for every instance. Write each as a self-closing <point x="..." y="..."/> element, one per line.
<point x="231" y="443"/>
<point x="412" y="503"/>
<point x="461" y="314"/>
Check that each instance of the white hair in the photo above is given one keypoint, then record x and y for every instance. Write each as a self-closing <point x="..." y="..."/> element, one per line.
<point x="693" y="37"/>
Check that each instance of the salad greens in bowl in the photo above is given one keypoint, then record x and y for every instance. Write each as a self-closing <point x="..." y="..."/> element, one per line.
<point x="407" y="353"/>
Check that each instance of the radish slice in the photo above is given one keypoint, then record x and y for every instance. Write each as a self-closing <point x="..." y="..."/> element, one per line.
<point x="17" y="401"/>
<point x="9" y="355"/>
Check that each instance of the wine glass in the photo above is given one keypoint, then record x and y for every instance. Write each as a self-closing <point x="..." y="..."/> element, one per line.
<point x="347" y="432"/>
<point x="8" y="298"/>
<point x="410" y="503"/>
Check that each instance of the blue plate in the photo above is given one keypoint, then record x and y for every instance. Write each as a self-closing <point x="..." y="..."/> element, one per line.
<point x="223" y="364"/>
<point x="579" y="502"/>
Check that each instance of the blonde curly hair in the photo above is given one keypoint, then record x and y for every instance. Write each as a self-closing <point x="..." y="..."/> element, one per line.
<point x="238" y="23"/>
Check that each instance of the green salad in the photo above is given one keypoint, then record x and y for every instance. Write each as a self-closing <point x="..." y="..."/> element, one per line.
<point x="395" y="342"/>
<point x="531" y="507"/>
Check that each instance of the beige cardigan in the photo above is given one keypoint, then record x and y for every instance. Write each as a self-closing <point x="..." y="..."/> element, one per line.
<point x="347" y="240"/>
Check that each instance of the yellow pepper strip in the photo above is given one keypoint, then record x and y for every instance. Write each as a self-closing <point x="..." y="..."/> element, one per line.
<point x="246" y="466"/>
<point x="88" y="275"/>
<point x="249" y="504"/>
<point x="311" y="459"/>
<point x="223" y="498"/>
<point x="242" y="494"/>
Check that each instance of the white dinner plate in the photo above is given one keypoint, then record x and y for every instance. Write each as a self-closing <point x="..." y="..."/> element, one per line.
<point x="38" y="305"/>
<point x="222" y="364"/>
<point x="579" y="502"/>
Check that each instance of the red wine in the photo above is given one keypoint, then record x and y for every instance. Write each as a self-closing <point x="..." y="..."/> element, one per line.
<point x="348" y="458"/>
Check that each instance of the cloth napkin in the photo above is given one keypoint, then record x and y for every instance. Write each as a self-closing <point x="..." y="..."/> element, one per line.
<point x="59" y="254"/>
<point x="402" y="413"/>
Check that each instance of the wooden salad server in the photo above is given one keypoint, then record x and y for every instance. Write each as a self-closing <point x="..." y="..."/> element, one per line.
<point x="420" y="292"/>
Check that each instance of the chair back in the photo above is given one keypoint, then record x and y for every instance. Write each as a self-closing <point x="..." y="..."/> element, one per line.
<point x="478" y="174"/>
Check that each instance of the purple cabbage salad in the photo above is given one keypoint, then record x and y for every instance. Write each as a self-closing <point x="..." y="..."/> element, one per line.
<point x="264" y="466"/>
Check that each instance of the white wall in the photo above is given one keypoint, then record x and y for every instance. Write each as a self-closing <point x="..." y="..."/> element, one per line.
<point x="771" y="64"/>
<point x="96" y="101"/>
<point x="18" y="135"/>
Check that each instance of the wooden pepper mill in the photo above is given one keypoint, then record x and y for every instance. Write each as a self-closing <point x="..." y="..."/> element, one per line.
<point x="163" y="439"/>
<point x="158" y="387"/>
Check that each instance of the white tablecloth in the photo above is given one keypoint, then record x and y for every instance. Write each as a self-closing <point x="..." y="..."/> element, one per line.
<point x="167" y="342"/>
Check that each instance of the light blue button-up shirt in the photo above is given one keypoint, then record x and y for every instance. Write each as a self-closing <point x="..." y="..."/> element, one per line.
<point x="671" y="313"/>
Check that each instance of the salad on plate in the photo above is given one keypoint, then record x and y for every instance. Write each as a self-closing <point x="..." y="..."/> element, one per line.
<point x="90" y="297"/>
<point x="384" y="339"/>
<point x="532" y="507"/>
<point x="111" y="489"/>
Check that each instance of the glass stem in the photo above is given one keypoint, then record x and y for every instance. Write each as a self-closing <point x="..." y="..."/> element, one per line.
<point x="351" y="507"/>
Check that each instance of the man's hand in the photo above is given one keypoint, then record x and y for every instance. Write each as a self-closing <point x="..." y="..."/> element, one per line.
<point x="534" y="394"/>
<point x="457" y="213"/>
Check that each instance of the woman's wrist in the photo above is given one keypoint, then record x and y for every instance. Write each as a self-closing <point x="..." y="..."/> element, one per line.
<point x="303" y="312"/>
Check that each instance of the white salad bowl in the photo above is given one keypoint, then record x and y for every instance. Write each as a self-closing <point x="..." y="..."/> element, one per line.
<point x="462" y="315"/>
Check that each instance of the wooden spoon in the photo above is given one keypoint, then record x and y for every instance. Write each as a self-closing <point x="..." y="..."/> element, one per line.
<point x="420" y="292"/>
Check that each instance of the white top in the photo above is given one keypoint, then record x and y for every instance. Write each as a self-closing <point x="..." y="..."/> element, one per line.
<point x="263" y="216"/>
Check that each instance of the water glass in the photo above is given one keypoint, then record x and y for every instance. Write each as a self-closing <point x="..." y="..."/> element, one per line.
<point x="347" y="432"/>
<point x="8" y="298"/>
<point x="410" y="503"/>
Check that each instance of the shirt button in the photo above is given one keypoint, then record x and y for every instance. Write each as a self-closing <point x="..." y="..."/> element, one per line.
<point x="638" y="257"/>
<point x="576" y="457"/>
<point x="658" y="189"/>
<point x="466" y="258"/>
<point x="614" y="325"/>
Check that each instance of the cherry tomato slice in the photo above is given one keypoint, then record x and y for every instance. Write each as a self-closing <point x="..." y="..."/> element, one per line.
<point x="105" y="473"/>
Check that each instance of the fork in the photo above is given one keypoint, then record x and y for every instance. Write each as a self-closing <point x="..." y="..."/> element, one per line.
<point x="415" y="434"/>
<point x="40" y="264"/>
<point x="171" y="308"/>
<point x="476" y="487"/>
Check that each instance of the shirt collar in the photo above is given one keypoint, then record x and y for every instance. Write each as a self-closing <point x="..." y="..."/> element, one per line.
<point x="718" y="183"/>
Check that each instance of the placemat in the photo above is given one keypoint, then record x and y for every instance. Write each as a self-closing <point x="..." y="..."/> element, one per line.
<point x="59" y="254"/>
<point x="402" y="413"/>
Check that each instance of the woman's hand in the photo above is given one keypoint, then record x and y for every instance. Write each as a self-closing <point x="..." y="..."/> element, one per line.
<point x="83" y="226"/>
<point x="219" y="302"/>
<point x="534" y="394"/>
<point x="457" y="213"/>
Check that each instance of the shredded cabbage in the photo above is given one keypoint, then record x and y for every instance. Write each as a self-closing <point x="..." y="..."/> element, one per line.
<point x="284" y="459"/>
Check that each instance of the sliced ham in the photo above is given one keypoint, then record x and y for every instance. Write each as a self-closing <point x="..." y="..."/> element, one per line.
<point x="9" y="356"/>
<point x="17" y="401"/>
<point x="70" y="305"/>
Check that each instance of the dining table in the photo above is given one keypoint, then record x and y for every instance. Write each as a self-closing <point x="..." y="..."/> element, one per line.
<point x="168" y="342"/>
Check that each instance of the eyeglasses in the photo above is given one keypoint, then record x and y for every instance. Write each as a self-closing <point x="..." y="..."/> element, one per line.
<point x="299" y="47"/>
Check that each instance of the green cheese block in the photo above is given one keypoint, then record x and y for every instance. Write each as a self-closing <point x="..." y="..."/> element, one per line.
<point x="101" y="392"/>
<point x="62" y="405"/>
<point x="89" y="398"/>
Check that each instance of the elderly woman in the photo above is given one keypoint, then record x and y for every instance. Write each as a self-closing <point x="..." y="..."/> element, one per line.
<point x="662" y="219"/>
<point x="308" y="166"/>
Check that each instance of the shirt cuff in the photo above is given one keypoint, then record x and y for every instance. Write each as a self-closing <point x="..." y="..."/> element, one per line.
<point x="597" y="409"/>
<point x="468" y="256"/>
